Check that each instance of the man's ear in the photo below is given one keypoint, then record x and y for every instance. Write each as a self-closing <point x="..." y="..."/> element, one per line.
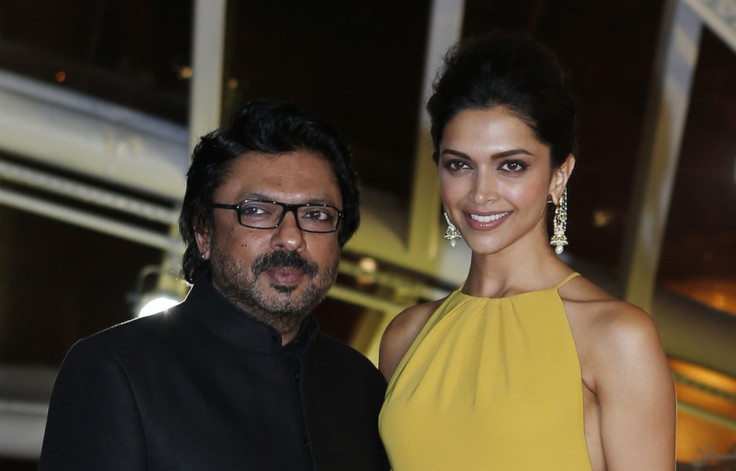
<point x="560" y="177"/>
<point x="203" y="235"/>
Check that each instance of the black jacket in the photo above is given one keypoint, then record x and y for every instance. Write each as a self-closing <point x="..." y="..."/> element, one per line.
<point x="203" y="387"/>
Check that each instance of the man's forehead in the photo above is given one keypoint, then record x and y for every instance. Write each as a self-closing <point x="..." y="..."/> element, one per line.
<point x="299" y="174"/>
<point x="296" y="158"/>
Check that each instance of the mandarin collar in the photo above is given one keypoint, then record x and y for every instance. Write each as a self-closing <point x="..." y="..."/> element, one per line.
<point x="223" y="319"/>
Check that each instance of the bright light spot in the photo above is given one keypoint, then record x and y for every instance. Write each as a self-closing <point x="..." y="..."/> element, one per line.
<point x="232" y="83"/>
<point x="602" y="218"/>
<point x="368" y="267"/>
<point x="720" y="301"/>
<point x="185" y="72"/>
<point x="368" y="264"/>
<point x="157" y="304"/>
<point x="60" y="76"/>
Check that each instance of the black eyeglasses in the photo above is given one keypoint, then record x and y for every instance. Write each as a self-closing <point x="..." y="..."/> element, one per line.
<point x="310" y="217"/>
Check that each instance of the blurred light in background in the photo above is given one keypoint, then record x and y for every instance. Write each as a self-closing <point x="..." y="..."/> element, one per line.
<point x="155" y="303"/>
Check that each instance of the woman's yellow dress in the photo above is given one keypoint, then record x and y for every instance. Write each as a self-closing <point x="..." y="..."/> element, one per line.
<point x="489" y="384"/>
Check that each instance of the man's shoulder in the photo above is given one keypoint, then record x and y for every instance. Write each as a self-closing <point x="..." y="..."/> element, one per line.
<point x="134" y="338"/>
<point x="327" y="342"/>
<point x="332" y="361"/>
<point x="133" y="328"/>
<point x="337" y="351"/>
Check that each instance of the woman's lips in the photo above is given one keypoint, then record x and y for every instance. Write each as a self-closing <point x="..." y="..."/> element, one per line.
<point x="486" y="222"/>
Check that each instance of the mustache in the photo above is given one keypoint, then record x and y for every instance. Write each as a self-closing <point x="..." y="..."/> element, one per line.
<point x="284" y="259"/>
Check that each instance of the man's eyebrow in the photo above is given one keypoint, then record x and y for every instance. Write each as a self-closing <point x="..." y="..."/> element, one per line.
<point x="265" y="197"/>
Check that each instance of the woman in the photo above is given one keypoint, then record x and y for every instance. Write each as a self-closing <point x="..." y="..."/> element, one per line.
<point x="528" y="366"/>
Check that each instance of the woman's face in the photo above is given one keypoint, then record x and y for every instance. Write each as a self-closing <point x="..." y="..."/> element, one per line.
<point x="496" y="178"/>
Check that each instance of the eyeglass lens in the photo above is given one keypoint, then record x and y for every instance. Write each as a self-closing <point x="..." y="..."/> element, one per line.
<point x="265" y="215"/>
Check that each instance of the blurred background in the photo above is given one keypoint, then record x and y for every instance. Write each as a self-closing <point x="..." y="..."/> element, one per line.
<point x="100" y="101"/>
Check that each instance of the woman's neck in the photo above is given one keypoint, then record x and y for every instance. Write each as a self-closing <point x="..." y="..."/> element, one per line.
<point x="516" y="269"/>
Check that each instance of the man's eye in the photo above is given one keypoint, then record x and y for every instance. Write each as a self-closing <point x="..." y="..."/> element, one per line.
<point x="252" y="210"/>
<point x="318" y="215"/>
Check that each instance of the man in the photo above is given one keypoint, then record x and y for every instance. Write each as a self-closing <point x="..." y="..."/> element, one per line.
<point x="238" y="376"/>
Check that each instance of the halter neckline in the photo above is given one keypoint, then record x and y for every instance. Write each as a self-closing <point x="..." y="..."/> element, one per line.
<point x="567" y="278"/>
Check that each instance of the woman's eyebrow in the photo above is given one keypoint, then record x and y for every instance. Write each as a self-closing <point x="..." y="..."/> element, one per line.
<point x="497" y="155"/>
<point x="509" y="153"/>
<point x="455" y="153"/>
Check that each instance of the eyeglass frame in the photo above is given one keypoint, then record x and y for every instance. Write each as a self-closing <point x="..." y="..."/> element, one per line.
<point x="285" y="208"/>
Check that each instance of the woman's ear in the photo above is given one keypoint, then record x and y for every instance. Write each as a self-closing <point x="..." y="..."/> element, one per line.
<point x="560" y="177"/>
<point x="204" y="239"/>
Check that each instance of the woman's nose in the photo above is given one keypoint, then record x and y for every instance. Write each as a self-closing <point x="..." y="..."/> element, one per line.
<point x="484" y="188"/>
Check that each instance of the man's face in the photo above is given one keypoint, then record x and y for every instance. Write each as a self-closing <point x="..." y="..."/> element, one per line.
<point x="276" y="275"/>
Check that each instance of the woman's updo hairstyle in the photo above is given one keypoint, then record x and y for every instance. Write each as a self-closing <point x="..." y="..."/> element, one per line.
<point x="510" y="70"/>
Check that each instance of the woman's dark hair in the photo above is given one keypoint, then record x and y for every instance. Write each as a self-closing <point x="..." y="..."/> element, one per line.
<point x="267" y="128"/>
<point x="511" y="70"/>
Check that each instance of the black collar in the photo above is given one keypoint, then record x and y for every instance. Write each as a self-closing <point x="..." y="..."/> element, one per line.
<point x="206" y="305"/>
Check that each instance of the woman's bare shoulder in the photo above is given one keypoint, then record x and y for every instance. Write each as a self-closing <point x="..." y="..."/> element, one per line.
<point x="624" y="365"/>
<point x="614" y="333"/>
<point x="607" y="317"/>
<point x="626" y="333"/>
<point x="412" y="319"/>
<point x="401" y="332"/>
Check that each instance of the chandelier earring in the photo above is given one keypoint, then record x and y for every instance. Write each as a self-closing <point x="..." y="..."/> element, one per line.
<point x="452" y="234"/>
<point x="559" y="225"/>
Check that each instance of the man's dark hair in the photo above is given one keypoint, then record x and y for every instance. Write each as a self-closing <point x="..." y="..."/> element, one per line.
<point x="267" y="128"/>
<point x="506" y="69"/>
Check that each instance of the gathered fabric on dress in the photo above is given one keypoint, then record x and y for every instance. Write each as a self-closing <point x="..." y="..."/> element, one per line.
<point x="489" y="384"/>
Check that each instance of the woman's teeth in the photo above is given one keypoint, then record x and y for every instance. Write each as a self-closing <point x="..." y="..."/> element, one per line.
<point x="491" y="218"/>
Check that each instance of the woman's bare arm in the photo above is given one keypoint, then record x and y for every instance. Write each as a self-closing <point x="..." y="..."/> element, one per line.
<point x="399" y="335"/>
<point x="635" y="392"/>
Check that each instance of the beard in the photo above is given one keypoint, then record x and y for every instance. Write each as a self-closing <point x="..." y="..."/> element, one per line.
<point x="282" y="307"/>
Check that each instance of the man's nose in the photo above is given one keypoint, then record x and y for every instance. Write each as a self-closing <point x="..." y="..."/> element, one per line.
<point x="288" y="236"/>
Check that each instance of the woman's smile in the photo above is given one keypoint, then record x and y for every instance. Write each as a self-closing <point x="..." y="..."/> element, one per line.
<point x="486" y="222"/>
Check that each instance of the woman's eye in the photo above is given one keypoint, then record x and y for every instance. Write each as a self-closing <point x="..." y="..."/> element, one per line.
<point x="513" y="166"/>
<point x="456" y="165"/>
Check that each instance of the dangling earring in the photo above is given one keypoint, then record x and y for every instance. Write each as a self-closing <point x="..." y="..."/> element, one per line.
<point x="559" y="225"/>
<point x="452" y="234"/>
